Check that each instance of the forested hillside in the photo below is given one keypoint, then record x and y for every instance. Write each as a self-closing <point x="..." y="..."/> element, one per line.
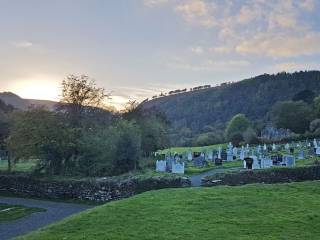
<point x="197" y="111"/>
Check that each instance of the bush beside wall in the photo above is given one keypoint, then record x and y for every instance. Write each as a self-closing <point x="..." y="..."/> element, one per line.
<point x="278" y="175"/>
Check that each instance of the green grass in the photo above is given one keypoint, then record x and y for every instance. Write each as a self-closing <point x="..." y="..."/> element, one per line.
<point x="190" y="170"/>
<point x="306" y="161"/>
<point x="264" y="212"/>
<point x="23" y="166"/>
<point x="181" y="150"/>
<point x="13" y="212"/>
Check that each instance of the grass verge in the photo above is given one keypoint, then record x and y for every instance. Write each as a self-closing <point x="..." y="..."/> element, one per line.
<point x="14" y="212"/>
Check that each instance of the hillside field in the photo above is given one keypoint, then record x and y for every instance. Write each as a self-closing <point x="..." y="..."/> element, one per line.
<point x="280" y="211"/>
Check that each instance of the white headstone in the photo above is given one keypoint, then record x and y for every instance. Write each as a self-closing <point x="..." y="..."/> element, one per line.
<point x="235" y="152"/>
<point x="161" y="166"/>
<point x="178" y="168"/>
<point x="315" y="144"/>
<point x="189" y="156"/>
<point x="266" y="162"/>
<point x="242" y="153"/>
<point x="318" y="150"/>
<point x="255" y="164"/>
<point x="219" y="153"/>
<point x="289" y="161"/>
<point x="273" y="147"/>
<point x="264" y="147"/>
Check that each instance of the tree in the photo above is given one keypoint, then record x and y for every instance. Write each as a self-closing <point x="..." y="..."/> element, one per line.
<point x="128" y="147"/>
<point x="306" y="96"/>
<point x="236" y="127"/>
<point x="41" y="134"/>
<point x="315" y="127"/>
<point x="295" y="116"/>
<point x="154" y="135"/>
<point x="80" y="94"/>
<point x="317" y="105"/>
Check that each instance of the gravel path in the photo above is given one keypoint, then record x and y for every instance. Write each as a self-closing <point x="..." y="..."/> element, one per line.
<point x="55" y="211"/>
<point x="196" y="179"/>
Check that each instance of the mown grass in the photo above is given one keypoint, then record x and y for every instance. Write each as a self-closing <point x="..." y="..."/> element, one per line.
<point x="22" y="166"/>
<point x="181" y="150"/>
<point x="191" y="170"/>
<point x="264" y="212"/>
<point x="13" y="212"/>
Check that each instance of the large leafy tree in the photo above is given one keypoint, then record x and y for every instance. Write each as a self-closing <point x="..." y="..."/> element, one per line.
<point x="295" y="116"/>
<point x="80" y="95"/>
<point x="41" y="134"/>
<point x="236" y="127"/>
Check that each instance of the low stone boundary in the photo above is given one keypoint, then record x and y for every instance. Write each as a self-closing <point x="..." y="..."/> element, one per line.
<point x="97" y="190"/>
<point x="276" y="175"/>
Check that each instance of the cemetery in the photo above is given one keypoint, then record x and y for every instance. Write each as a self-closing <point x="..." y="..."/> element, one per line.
<point x="245" y="157"/>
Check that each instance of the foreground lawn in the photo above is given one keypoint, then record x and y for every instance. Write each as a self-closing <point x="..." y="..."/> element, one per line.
<point x="13" y="212"/>
<point x="282" y="211"/>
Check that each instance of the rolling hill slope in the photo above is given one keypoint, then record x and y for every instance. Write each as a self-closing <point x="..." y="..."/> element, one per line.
<point x="215" y="106"/>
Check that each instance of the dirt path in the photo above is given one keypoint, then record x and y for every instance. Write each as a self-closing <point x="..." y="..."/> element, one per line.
<point x="55" y="211"/>
<point x="196" y="179"/>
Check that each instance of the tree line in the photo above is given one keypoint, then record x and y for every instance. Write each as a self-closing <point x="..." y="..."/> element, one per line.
<point x="81" y="137"/>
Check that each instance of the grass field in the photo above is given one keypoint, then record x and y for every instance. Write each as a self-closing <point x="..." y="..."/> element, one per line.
<point x="23" y="166"/>
<point x="190" y="170"/>
<point x="13" y="212"/>
<point x="180" y="150"/>
<point x="264" y="212"/>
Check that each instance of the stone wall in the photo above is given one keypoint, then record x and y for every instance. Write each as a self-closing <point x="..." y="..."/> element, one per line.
<point x="277" y="175"/>
<point x="98" y="190"/>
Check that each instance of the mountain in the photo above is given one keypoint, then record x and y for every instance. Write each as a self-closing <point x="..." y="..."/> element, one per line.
<point x="212" y="108"/>
<point x="23" y="104"/>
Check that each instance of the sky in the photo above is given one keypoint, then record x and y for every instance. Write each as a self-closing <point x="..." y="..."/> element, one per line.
<point x="136" y="49"/>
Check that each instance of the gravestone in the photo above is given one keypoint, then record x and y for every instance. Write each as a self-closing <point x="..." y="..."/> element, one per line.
<point x="170" y="161"/>
<point x="210" y="155"/>
<point x="264" y="147"/>
<point x="242" y="153"/>
<point x="287" y="146"/>
<point x="318" y="151"/>
<point x="255" y="164"/>
<point x="274" y="147"/>
<point x="266" y="162"/>
<point x="289" y="160"/>
<point x="219" y="153"/>
<point x="235" y="152"/>
<point x="301" y="154"/>
<point x="315" y="144"/>
<point x="178" y="168"/>
<point x="189" y="156"/>
<point x="161" y="166"/>
<point x="248" y="163"/>
<point x="229" y="155"/>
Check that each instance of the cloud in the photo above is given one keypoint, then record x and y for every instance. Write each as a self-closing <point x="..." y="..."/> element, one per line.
<point x="197" y="50"/>
<point x="196" y="12"/>
<point x="221" y="50"/>
<point x="281" y="45"/>
<point x="152" y="3"/>
<point x="307" y="5"/>
<point x="22" y="44"/>
<point x="210" y="65"/>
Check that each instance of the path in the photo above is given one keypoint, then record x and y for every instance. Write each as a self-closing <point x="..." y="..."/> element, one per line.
<point x="55" y="211"/>
<point x="196" y="179"/>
